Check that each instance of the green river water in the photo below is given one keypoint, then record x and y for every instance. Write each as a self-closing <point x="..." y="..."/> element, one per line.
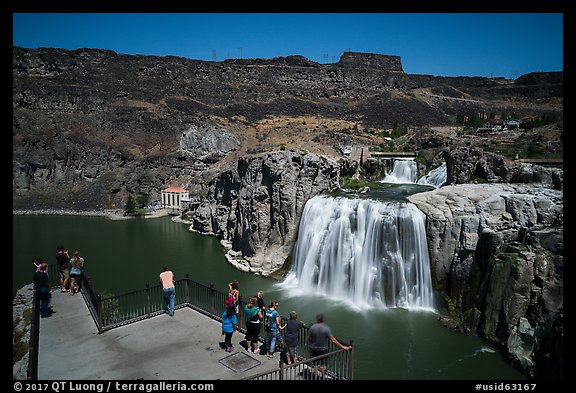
<point x="125" y="255"/>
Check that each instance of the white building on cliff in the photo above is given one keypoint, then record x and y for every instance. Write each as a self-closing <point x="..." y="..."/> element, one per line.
<point x="175" y="200"/>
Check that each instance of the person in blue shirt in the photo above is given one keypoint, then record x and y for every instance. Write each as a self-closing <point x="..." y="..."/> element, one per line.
<point x="229" y="325"/>
<point x="274" y="333"/>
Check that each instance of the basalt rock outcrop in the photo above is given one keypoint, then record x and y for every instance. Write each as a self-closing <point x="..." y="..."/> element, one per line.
<point x="465" y="165"/>
<point x="496" y="251"/>
<point x="21" y="317"/>
<point x="255" y="206"/>
<point x="92" y="126"/>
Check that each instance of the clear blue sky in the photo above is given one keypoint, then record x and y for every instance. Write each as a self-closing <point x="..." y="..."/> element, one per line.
<point x="445" y="44"/>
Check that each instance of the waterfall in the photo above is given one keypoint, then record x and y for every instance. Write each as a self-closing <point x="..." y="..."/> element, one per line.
<point x="368" y="253"/>
<point x="406" y="171"/>
<point x="403" y="171"/>
<point x="436" y="177"/>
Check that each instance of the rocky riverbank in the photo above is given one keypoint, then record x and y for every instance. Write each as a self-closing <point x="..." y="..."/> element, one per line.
<point x="112" y="214"/>
<point x="21" y="318"/>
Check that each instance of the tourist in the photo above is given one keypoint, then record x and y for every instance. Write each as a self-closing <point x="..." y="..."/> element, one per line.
<point x="260" y="301"/>
<point x="38" y="262"/>
<point x="273" y="318"/>
<point x="293" y="326"/>
<point x="253" y="318"/>
<point x="76" y="266"/>
<point x="42" y="288"/>
<point x="168" y="289"/>
<point x="233" y="291"/>
<point x="318" y="336"/>
<point x="229" y="325"/>
<point x="63" y="262"/>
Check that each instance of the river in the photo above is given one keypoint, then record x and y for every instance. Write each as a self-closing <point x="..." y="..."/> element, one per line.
<point x="125" y="255"/>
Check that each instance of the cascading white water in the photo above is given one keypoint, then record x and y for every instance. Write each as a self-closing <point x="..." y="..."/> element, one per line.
<point x="436" y="177"/>
<point x="403" y="171"/>
<point x="406" y="171"/>
<point x="368" y="253"/>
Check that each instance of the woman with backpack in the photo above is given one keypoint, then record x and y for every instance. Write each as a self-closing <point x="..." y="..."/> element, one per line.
<point x="273" y="322"/>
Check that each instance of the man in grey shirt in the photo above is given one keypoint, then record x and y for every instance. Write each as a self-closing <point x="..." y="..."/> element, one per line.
<point x="318" y="336"/>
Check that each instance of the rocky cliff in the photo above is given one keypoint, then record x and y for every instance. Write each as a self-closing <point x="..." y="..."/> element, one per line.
<point x="255" y="206"/>
<point x="465" y="165"/>
<point x="22" y="319"/>
<point x="496" y="251"/>
<point x="92" y="126"/>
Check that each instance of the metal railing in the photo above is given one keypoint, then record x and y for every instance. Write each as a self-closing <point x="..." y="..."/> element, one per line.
<point x="334" y="365"/>
<point x="32" y="371"/>
<point x="130" y="307"/>
<point x="118" y="310"/>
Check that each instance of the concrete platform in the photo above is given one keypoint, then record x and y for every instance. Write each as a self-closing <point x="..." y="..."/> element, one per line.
<point x="184" y="347"/>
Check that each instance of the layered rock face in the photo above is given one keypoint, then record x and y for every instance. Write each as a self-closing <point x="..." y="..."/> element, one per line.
<point x="91" y="126"/>
<point x="464" y="165"/>
<point x="21" y="317"/>
<point x="255" y="206"/>
<point x="496" y="250"/>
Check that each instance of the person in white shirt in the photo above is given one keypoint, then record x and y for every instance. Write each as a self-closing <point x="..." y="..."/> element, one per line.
<point x="168" y="289"/>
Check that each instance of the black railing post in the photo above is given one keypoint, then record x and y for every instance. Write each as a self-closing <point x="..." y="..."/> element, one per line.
<point x="351" y="362"/>
<point x="148" y="301"/>
<point x="99" y="314"/>
<point x="212" y="295"/>
<point x="240" y="315"/>
<point x="187" y="288"/>
<point x="32" y="372"/>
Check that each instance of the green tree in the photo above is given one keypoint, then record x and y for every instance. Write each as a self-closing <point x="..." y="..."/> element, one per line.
<point x="130" y="205"/>
<point x="142" y="201"/>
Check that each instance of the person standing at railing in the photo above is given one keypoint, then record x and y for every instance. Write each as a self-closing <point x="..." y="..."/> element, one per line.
<point x="253" y="318"/>
<point x="168" y="289"/>
<point x="318" y="336"/>
<point x="274" y="322"/>
<point x="42" y="288"/>
<point x="260" y="302"/>
<point x="63" y="262"/>
<point x="293" y="326"/>
<point x="76" y="266"/>
<point x="234" y="292"/>
<point x="229" y="325"/>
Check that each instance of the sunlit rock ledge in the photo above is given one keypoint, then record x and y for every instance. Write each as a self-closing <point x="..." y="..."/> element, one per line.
<point x="496" y="253"/>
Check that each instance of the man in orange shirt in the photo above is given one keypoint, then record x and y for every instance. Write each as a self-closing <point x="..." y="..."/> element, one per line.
<point x="168" y="289"/>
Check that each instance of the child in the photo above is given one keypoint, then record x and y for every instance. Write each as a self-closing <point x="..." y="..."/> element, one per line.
<point x="229" y="325"/>
<point x="291" y="337"/>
